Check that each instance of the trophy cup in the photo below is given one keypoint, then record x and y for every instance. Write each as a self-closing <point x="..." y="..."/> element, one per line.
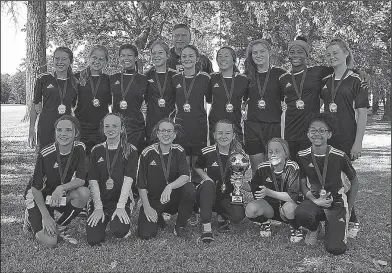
<point x="239" y="164"/>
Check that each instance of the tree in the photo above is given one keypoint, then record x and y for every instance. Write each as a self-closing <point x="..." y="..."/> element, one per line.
<point x="5" y="88"/>
<point x="18" y="87"/>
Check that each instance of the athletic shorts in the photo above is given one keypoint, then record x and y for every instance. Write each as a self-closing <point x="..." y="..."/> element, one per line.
<point x="257" y="135"/>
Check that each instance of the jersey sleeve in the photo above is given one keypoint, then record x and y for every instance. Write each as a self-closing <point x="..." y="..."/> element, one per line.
<point x="38" y="176"/>
<point x="302" y="172"/>
<point x="293" y="183"/>
<point x="183" y="168"/>
<point x="38" y="91"/>
<point x="201" y="162"/>
<point x="131" y="166"/>
<point x="348" y="168"/>
<point x="361" y="95"/>
<point x="325" y="71"/>
<point x="141" y="174"/>
<point x="81" y="165"/>
<point x="93" y="173"/>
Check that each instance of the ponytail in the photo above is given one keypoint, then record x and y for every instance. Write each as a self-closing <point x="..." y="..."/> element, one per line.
<point x="85" y="74"/>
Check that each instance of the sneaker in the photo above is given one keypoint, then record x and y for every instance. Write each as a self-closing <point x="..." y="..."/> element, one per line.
<point x="206" y="237"/>
<point x="194" y="219"/>
<point x="166" y="216"/>
<point x="311" y="237"/>
<point x="353" y="229"/>
<point x="182" y="232"/>
<point x="265" y="229"/>
<point x="26" y="223"/>
<point x="62" y="231"/>
<point x="296" y="235"/>
<point x="224" y="226"/>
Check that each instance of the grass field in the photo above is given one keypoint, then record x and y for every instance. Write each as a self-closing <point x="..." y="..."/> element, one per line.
<point x="238" y="251"/>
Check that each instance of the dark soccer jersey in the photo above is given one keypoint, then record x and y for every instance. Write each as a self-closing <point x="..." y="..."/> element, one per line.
<point x="289" y="177"/>
<point x="350" y="95"/>
<point x="219" y="97"/>
<point x="209" y="162"/>
<point x="273" y="96"/>
<point x="150" y="175"/>
<point x="337" y="162"/>
<point x="85" y="110"/>
<point x="193" y="123"/>
<point x="296" y="118"/>
<point x="203" y="64"/>
<point x="46" y="175"/>
<point x="123" y="167"/>
<point x="154" y="112"/>
<point x="134" y="98"/>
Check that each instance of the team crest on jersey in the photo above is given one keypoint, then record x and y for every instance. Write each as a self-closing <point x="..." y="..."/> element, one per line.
<point x="55" y="165"/>
<point x="153" y="163"/>
<point x="178" y="86"/>
<point x="288" y="84"/>
<point x="311" y="165"/>
<point x="151" y="80"/>
<point x="100" y="159"/>
<point x="214" y="164"/>
<point x="117" y="82"/>
<point x="268" y="179"/>
<point x="216" y="85"/>
<point x="50" y="86"/>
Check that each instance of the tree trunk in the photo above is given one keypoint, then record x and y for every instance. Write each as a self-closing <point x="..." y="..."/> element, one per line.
<point x="387" y="107"/>
<point x="375" y="103"/>
<point x="35" y="48"/>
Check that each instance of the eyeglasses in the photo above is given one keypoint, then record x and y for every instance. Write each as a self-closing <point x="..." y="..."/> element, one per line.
<point x="321" y="131"/>
<point x="166" y="131"/>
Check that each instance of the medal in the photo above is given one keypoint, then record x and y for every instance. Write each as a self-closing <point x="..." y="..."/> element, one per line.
<point x="223" y="171"/>
<point x="333" y="107"/>
<point x="229" y="108"/>
<point x="161" y="102"/>
<point x="322" y="178"/>
<point x="63" y="174"/>
<point x="223" y="187"/>
<point x="300" y="104"/>
<point x="165" y="168"/>
<point x="187" y="107"/>
<point x="323" y="192"/>
<point x="261" y="104"/>
<point x="96" y="102"/>
<point x="109" y="184"/>
<point x="61" y="109"/>
<point x="123" y="104"/>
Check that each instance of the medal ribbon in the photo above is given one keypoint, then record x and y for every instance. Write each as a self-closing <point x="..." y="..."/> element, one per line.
<point x="301" y="86"/>
<point x="276" y="181"/>
<point x="221" y="170"/>
<point x="94" y="89"/>
<point x="187" y="93"/>
<point x="262" y="91"/>
<point x="124" y="93"/>
<point x="228" y="94"/>
<point x="165" y="168"/>
<point x="321" y="177"/>
<point x="64" y="174"/>
<point x="334" y="90"/>
<point x="160" y="89"/>
<point x="109" y="166"/>
<point x="62" y="92"/>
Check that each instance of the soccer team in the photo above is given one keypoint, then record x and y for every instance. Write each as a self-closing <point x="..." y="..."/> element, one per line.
<point x="98" y="150"/>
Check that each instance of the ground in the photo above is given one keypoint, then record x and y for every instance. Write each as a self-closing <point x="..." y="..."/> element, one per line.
<point x="239" y="251"/>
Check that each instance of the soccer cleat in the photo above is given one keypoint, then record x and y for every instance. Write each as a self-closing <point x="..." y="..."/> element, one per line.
<point x="353" y="229"/>
<point x="296" y="235"/>
<point x="194" y="219"/>
<point x="224" y="226"/>
<point x="206" y="237"/>
<point x="26" y="223"/>
<point x="62" y="231"/>
<point x="166" y="216"/>
<point x="311" y="237"/>
<point x="265" y="229"/>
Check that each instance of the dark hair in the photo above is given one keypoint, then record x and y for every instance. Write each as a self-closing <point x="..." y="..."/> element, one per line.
<point x="301" y="37"/>
<point x="327" y="118"/>
<point x="232" y="52"/>
<point x="74" y="81"/>
<point x="250" y="66"/>
<point x="123" y="136"/>
<point x="177" y="128"/>
<point x="235" y="145"/>
<point x="85" y="74"/>
<point x="135" y="51"/>
<point x="74" y="122"/>
<point x="193" y="48"/>
<point x="343" y="45"/>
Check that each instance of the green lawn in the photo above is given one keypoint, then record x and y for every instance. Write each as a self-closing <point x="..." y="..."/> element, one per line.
<point x="241" y="250"/>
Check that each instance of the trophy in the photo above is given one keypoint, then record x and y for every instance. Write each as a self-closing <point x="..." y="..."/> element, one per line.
<point x="239" y="164"/>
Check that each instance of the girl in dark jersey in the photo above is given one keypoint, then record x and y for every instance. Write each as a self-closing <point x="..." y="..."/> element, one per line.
<point x="111" y="174"/>
<point x="128" y="89"/>
<point x="161" y="96"/>
<point x="213" y="192"/>
<point x="275" y="187"/>
<point x="264" y="104"/>
<point x="163" y="182"/>
<point x="94" y="97"/>
<point x="228" y="89"/>
<point x="54" y="95"/>
<point x="191" y="92"/>
<point x="57" y="184"/>
<point x="346" y="96"/>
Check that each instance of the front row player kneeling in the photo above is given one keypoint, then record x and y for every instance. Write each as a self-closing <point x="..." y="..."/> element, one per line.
<point x="112" y="171"/>
<point x="321" y="184"/>
<point x="164" y="184"/>
<point x="275" y="187"/>
<point x="53" y="186"/>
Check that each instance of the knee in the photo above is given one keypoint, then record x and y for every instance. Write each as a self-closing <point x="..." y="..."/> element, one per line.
<point x="288" y="210"/>
<point x="336" y="249"/>
<point x="208" y="185"/>
<point x="252" y="210"/>
<point x="93" y="241"/>
<point x="46" y="240"/>
<point x="82" y="197"/>
<point x="94" y="237"/>
<point x="302" y="213"/>
<point x="146" y="234"/>
<point x="120" y="231"/>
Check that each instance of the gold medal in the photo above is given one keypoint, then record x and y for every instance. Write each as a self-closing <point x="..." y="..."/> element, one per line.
<point x="109" y="184"/>
<point x="323" y="192"/>
<point x="229" y="108"/>
<point x="223" y="187"/>
<point x="123" y="104"/>
<point x="300" y="104"/>
<point x="333" y="107"/>
<point x="261" y="104"/>
<point x="61" y="109"/>
<point x="187" y="107"/>
<point x="96" y="102"/>
<point x="161" y="102"/>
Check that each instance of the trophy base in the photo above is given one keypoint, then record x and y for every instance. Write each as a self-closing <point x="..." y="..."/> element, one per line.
<point x="237" y="200"/>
